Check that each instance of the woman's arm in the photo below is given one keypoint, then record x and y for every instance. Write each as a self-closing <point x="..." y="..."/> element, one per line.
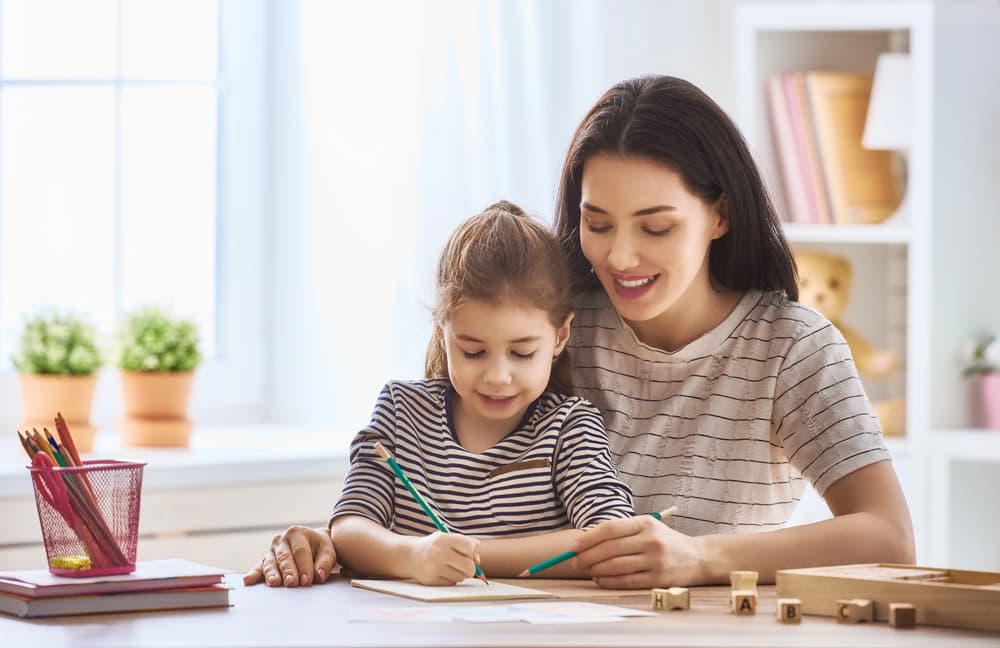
<point x="871" y="524"/>
<point x="365" y="547"/>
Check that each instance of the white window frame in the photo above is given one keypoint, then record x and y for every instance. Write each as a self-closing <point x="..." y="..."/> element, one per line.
<point x="231" y="386"/>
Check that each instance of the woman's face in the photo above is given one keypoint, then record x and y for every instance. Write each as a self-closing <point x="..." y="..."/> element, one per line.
<point x="646" y="236"/>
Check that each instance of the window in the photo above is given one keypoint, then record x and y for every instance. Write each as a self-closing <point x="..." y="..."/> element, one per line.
<point x="120" y="166"/>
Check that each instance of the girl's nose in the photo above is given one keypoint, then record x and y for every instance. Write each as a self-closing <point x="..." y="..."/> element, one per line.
<point x="622" y="255"/>
<point x="498" y="373"/>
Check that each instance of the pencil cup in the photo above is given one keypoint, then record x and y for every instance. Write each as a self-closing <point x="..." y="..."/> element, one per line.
<point x="89" y="516"/>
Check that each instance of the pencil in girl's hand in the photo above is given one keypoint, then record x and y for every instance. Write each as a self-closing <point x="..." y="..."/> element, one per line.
<point x="566" y="555"/>
<point x="388" y="458"/>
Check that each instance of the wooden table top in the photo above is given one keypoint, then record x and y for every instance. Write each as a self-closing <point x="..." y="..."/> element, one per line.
<point x="319" y="616"/>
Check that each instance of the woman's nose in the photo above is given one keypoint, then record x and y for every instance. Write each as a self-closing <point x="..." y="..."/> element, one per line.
<point x="622" y="254"/>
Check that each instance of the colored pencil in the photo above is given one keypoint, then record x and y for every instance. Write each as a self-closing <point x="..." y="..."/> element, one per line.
<point x="566" y="555"/>
<point x="388" y="458"/>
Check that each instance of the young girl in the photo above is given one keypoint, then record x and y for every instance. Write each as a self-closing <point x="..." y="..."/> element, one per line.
<point x="489" y="438"/>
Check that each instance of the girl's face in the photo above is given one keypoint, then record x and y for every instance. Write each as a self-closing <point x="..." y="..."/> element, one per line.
<point x="646" y="236"/>
<point x="499" y="359"/>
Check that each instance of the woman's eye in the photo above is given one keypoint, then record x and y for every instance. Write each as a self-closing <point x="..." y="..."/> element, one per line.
<point x="597" y="229"/>
<point x="657" y="232"/>
<point x="472" y="355"/>
<point x="523" y="356"/>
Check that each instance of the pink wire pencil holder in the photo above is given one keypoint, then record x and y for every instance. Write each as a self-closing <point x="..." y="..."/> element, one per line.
<point x="89" y="515"/>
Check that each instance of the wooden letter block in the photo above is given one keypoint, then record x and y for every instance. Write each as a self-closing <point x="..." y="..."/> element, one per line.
<point x="743" y="602"/>
<point x="743" y="580"/>
<point x="902" y="615"/>
<point x="790" y="610"/>
<point x="675" y="598"/>
<point x="855" y="610"/>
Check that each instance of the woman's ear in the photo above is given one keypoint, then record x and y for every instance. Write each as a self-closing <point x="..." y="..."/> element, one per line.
<point x="721" y="217"/>
<point x="562" y="335"/>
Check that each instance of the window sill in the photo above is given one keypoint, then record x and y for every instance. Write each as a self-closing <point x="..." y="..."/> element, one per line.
<point x="218" y="455"/>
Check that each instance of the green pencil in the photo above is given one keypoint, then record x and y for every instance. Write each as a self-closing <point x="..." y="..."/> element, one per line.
<point x="566" y="555"/>
<point x="388" y="458"/>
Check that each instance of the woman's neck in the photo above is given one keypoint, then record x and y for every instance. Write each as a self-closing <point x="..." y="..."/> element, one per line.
<point x="691" y="317"/>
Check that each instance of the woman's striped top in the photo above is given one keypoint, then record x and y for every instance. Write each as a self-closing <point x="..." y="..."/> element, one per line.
<point x="553" y="471"/>
<point x="727" y="426"/>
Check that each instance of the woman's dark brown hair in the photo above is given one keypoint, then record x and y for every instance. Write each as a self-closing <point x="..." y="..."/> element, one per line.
<point x="502" y="255"/>
<point x="672" y="122"/>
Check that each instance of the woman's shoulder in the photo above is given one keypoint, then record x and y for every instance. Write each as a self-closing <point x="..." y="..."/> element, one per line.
<point x="786" y="318"/>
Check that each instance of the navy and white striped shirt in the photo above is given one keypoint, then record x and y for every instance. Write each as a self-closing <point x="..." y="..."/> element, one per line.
<point x="554" y="471"/>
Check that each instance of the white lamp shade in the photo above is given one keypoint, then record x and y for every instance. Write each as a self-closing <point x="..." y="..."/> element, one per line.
<point x="887" y="126"/>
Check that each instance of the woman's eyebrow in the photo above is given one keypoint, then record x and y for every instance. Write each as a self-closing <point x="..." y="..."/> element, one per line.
<point x="646" y="211"/>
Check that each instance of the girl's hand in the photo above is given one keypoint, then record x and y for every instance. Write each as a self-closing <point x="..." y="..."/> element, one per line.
<point x="444" y="558"/>
<point x="640" y="552"/>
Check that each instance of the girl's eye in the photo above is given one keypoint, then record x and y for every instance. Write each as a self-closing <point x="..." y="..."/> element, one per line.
<point x="523" y="356"/>
<point x="472" y="355"/>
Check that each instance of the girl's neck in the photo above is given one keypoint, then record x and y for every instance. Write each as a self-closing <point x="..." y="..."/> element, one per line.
<point x="475" y="433"/>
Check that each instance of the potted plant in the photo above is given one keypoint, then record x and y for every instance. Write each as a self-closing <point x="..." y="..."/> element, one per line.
<point x="982" y="358"/>
<point x="57" y="358"/>
<point x="157" y="355"/>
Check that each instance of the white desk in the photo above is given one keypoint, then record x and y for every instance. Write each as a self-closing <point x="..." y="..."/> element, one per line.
<point x="318" y="616"/>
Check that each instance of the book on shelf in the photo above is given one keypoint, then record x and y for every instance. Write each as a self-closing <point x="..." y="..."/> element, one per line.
<point x="861" y="185"/>
<point x="103" y="603"/>
<point x="798" y="207"/>
<point x="165" y="574"/>
<point x="817" y="120"/>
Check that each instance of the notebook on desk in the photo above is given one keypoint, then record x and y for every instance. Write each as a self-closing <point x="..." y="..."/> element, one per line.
<point x="147" y="600"/>
<point x="148" y="575"/>
<point x="471" y="589"/>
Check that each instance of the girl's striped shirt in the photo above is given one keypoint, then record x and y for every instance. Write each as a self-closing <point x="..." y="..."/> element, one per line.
<point x="553" y="471"/>
<point x="727" y="427"/>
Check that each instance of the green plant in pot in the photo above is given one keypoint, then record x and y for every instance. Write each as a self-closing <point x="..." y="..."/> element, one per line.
<point x="158" y="353"/>
<point x="57" y="358"/>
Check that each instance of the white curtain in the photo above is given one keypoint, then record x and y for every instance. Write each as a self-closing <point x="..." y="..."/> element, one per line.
<point x="393" y="121"/>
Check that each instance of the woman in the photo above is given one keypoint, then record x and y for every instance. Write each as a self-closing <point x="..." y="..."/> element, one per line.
<point x="719" y="392"/>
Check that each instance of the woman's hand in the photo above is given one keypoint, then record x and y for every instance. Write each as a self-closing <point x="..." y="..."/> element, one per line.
<point x="444" y="558"/>
<point x="640" y="552"/>
<point x="299" y="556"/>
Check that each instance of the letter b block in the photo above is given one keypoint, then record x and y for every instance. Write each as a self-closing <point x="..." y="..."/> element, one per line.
<point x="790" y="610"/>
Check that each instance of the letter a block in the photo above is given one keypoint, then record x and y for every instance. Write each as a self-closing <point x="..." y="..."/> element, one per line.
<point x="743" y="602"/>
<point x="790" y="610"/>
<point x="675" y="598"/>
<point x="855" y="611"/>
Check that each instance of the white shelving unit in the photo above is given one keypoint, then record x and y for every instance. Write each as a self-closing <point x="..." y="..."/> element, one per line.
<point x="923" y="285"/>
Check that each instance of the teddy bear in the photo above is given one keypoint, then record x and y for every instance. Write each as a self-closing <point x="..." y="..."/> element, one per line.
<point x="825" y="286"/>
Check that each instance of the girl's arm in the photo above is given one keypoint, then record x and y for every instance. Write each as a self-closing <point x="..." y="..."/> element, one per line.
<point x="365" y="547"/>
<point x="872" y="524"/>
<point x="508" y="557"/>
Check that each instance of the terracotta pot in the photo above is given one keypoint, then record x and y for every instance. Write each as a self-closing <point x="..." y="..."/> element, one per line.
<point x="156" y="394"/>
<point x="45" y="395"/>
<point x="161" y="433"/>
<point x="990" y="386"/>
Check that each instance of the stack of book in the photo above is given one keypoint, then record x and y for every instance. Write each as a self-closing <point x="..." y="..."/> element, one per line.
<point x="154" y="585"/>
<point x="817" y="120"/>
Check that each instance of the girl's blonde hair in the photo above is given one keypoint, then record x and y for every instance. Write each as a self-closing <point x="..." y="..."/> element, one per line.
<point x="502" y="254"/>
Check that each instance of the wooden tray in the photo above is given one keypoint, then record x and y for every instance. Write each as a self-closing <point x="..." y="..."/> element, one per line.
<point x="946" y="597"/>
